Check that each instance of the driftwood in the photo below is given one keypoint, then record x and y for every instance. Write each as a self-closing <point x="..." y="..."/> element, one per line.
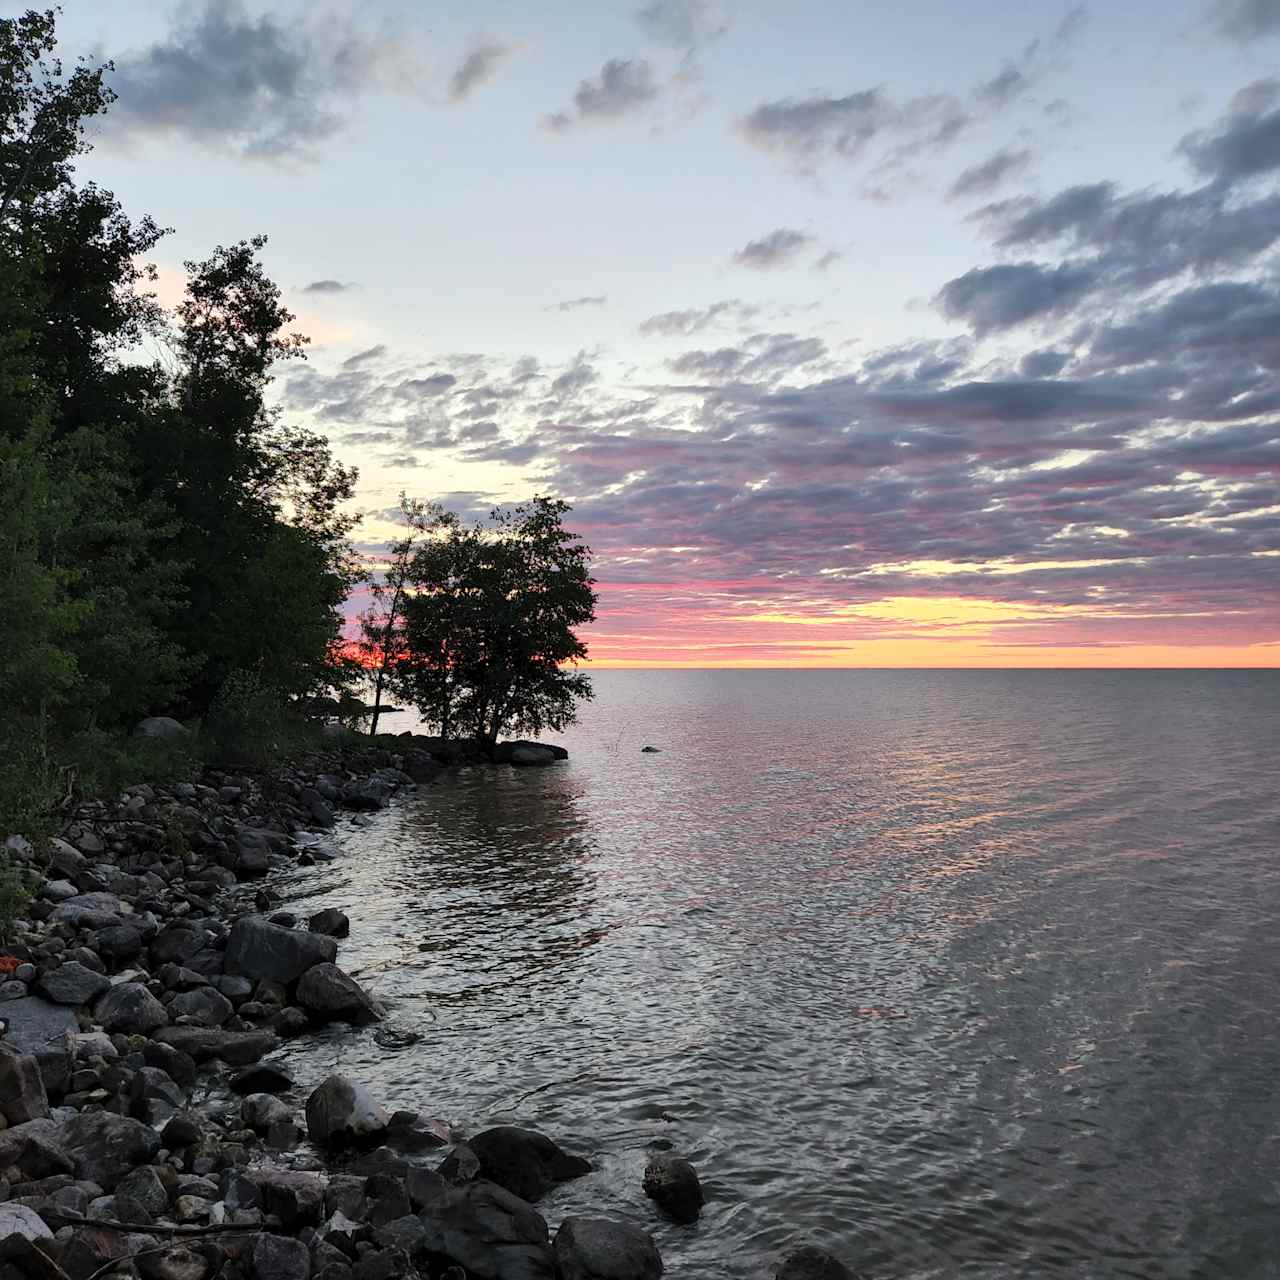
<point x="152" y="1229"/>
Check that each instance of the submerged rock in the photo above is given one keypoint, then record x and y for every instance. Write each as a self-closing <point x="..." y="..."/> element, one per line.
<point x="329" y="995"/>
<point x="526" y="1163"/>
<point x="602" y="1249"/>
<point x="810" y="1263"/>
<point x="672" y="1183"/>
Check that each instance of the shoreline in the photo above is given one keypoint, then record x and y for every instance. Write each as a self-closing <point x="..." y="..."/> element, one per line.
<point x="135" y="992"/>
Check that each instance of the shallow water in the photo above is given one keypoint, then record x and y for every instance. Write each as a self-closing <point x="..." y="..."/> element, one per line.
<point x="955" y="973"/>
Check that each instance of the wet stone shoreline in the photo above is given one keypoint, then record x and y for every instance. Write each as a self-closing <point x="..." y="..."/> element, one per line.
<point x="145" y="1131"/>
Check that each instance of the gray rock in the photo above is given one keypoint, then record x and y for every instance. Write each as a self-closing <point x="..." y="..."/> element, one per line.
<point x="72" y="983"/>
<point x="810" y="1263"/>
<point x="239" y="1048"/>
<point x="91" y="911"/>
<point x="601" y="1249"/>
<point x="177" y="1262"/>
<point x="66" y="858"/>
<point x="532" y="756"/>
<point x="279" y="1258"/>
<point x="59" y="890"/>
<point x="143" y="1187"/>
<point x="17" y="1219"/>
<point x="43" y="1030"/>
<point x="295" y="1197"/>
<point x="263" y="1077"/>
<point x="259" y="949"/>
<point x="159" y="727"/>
<point x="368" y="793"/>
<point x="526" y="1163"/>
<point x="22" y="1091"/>
<point x="488" y="1231"/>
<point x="204" y="1006"/>
<point x="105" y="1146"/>
<point x="261" y="1110"/>
<point x="672" y="1183"/>
<point x="329" y="995"/>
<point x="331" y="922"/>
<point x="118" y="943"/>
<point x="130" y="1008"/>
<point x="342" y="1111"/>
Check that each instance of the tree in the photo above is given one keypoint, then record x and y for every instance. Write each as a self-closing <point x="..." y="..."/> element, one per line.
<point x="382" y="644"/>
<point x="489" y="624"/>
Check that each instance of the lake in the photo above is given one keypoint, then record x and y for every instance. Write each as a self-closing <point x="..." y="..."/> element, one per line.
<point x="953" y="973"/>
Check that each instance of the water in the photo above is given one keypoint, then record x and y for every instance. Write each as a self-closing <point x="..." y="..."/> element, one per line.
<point x="955" y="973"/>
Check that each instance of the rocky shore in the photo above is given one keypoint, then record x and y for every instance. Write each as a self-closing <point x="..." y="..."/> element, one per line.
<point x="144" y="1130"/>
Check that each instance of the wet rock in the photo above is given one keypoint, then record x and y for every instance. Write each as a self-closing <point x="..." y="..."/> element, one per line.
<point x="72" y="983"/>
<point x="259" y="949"/>
<point x="602" y="1249"/>
<point x="290" y="1022"/>
<point x="20" y="1220"/>
<point x="22" y="1091"/>
<point x="203" y="1007"/>
<point x="105" y="1146"/>
<point x="263" y="1077"/>
<point x="526" y="1163"/>
<point x="329" y="995"/>
<point x="342" y="1112"/>
<point x="367" y="793"/>
<point x="672" y="1183"/>
<point x="239" y="1048"/>
<point x="331" y="922"/>
<point x="131" y="1009"/>
<point x="810" y="1263"/>
<point x="490" y="1232"/>
<point x="279" y="1258"/>
<point x="408" y="1131"/>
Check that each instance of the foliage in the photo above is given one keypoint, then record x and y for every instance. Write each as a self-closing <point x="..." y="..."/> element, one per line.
<point x="15" y="895"/>
<point x="489" y="624"/>
<point x="101" y="763"/>
<point x="252" y="723"/>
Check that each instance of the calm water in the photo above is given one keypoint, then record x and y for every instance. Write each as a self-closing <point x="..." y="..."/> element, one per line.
<point x="958" y="974"/>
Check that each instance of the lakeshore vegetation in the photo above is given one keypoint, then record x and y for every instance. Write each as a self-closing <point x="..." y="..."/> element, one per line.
<point x="171" y="544"/>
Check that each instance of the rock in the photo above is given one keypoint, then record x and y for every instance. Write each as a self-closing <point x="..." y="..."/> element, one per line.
<point x="367" y="793"/>
<point x="204" y="1007"/>
<point x="488" y="1231"/>
<point x="261" y="1110"/>
<point x="66" y="858"/>
<point x="59" y="890"/>
<point x="259" y="949"/>
<point x="810" y="1263"/>
<point x="181" y="1131"/>
<point x="20" y="1220"/>
<point x="92" y="1251"/>
<point x="131" y="1009"/>
<point x="542" y="752"/>
<point x="41" y="1157"/>
<point x="533" y="755"/>
<point x="526" y="1163"/>
<point x="42" y="1029"/>
<point x="106" y="1146"/>
<point x="143" y="1186"/>
<point x="331" y="922"/>
<point x="177" y="1262"/>
<point x="673" y="1184"/>
<point x="263" y="1077"/>
<point x="601" y="1249"/>
<point x="329" y="995"/>
<point x="236" y="1047"/>
<point x="118" y="943"/>
<point x="341" y="1112"/>
<point x="90" y="911"/>
<point x="650" y="751"/>
<point x="279" y="1258"/>
<point x="22" y="1091"/>
<point x="72" y="983"/>
<point x="296" y="1198"/>
<point x="159" y="727"/>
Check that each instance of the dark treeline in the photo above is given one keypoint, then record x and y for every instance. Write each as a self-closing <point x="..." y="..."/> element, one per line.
<point x="164" y="536"/>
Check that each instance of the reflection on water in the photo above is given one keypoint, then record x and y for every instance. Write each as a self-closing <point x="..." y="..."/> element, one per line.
<point x="957" y="973"/>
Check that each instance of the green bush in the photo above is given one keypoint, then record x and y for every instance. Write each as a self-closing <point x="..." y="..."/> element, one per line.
<point x="15" y="895"/>
<point x="103" y="764"/>
<point x="31" y="785"/>
<point x="251" y="723"/>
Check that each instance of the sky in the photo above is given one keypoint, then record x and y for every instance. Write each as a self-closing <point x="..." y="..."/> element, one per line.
<point x="892" y="333"/>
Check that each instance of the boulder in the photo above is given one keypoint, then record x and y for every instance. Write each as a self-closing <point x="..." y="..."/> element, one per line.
<point x="22" y="1091"/>
<point x="72" y="983"/>
<point x="810" y="1263"/>
<point x="259" y="949"/>
<point x="95" y="910"/>
<point x="601" y="1249"/>
<point x="43" y="1029"/>
<point x="526" y="1163"/>
<point x="531" y="752"/>
<point x="488" y="1231"/>
<point x="263" y="1077"/>
<point x="367" y="793"/>
<point x="202" y="1043"/>
<point x="203" y="1007"/>
<point x="331" y="922"/>
<point x="18" y="1219"/>
<point x="329" y="995"/>
<point x="295" y="1197"/>
<point x="160" y="727"/>
<point x="533" y="756"/>
<point x="280" y="1258"/>
<point x="118" y="943"/>
<point x="261" y="1110"/>
<point x="672" y="1183"/>
<point x="130" y="1008"/>
<point x="343" y="1112"/>
<point x="105" y="1146"/>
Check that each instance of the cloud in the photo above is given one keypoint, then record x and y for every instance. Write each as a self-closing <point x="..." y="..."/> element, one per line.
<point x="328" y="286"/>
<point x="682" y="24"/>
<point x="997" y="297"/>
<point x="365" y="357"/>
<point x="477" y="67"/>
<point x="695" y="319"/>
<point x="622" y="87"/>
<point x="1246" y="20"/>
<point x="984" y="177"/>
<point x="779" y="248"/>
<point x="250" y="84"/>
<point x="575" y="304"/>
<point x="1246" y="144"/>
